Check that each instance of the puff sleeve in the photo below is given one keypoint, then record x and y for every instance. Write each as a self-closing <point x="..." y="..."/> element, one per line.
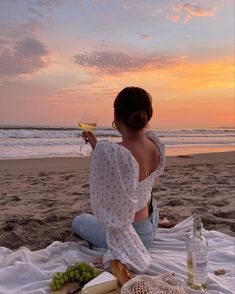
<point x="113" y="181"/>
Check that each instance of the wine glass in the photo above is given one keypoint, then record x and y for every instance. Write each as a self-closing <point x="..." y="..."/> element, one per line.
<point x="87" y="122"/>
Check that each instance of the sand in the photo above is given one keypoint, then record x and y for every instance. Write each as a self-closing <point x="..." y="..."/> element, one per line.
<point x="40" y="197"/>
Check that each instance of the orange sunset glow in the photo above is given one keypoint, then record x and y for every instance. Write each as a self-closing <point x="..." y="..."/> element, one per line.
<point x="61" y="58"/>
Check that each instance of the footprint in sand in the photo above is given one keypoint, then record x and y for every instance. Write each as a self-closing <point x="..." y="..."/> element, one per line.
<point x="233" y="227"/>
<point x="175" y="202"/>
<point x="200" y="209"/>
<point x="67" y="177"/>
<point x="220" y="203"/>
<point x="45" y="203"/>
<point x="11" y="240"/>
<point x="8" y="227"/>
<point x="15" y="198"/>
<point x="51" y="218"/>
<point x="223" y="214"/>
<point x="35" y="183"/>
<point x="27" y="220"/>
<point x="48" y="210"/>
<point x="210" y="193"/>
<point x="42" y="174"/>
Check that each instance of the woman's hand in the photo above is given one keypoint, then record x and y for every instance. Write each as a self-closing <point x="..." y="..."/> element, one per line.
<point x="89" y="137"/>
<point x="98" y="261"/>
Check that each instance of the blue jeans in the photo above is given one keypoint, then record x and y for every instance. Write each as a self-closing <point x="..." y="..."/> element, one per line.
<point x="90" y="229"/>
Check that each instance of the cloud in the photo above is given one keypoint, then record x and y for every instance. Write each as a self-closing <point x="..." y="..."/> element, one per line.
<point x="188" y="10"/>
<point x="118" y="62"/>
<point x="145" y="36"/>
<point x="174" y="18"/>
<point x="38" y="7"/>
<point x="39" y="12"/>
<point x="49" y="4"/>
<point x="27" y="56"/>
<point x="19" y="19"/>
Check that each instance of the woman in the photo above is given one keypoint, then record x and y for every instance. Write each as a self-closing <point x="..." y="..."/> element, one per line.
<point x="121" y="180"/>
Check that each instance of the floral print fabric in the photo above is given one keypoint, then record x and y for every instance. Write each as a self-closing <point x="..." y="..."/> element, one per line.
<point x="116" y="195"/>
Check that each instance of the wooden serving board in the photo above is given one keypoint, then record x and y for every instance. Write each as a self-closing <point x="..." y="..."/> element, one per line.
<point x="74" y="285"/>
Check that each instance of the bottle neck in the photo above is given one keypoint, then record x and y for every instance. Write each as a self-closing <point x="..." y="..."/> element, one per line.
<point x="197" y="226"/>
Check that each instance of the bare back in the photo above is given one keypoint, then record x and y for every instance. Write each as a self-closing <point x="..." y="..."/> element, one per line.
<point x="146" y="154"/>
<point x="148" y="157"/>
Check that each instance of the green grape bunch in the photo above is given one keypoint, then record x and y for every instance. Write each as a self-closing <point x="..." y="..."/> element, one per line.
<point x="81" y="272"/>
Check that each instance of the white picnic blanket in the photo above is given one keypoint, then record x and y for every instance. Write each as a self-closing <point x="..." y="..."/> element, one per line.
<point x="27" y="272"/>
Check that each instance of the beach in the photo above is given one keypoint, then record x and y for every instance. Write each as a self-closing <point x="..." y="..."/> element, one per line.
<point x="40" y="197"/>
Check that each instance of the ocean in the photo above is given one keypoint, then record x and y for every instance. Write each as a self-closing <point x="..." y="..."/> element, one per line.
<point x="41" y="142"/>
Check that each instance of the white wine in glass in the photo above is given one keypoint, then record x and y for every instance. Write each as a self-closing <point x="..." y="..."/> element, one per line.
<point x="87" y="126"/>
<point x="87" y="123"/>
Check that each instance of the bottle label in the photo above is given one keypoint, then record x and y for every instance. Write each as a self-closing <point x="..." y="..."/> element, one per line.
<point x="200" y="267"/>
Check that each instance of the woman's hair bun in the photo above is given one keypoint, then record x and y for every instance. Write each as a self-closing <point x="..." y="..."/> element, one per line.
<point x="137" y="120"/>
<point x="133" y="106"/>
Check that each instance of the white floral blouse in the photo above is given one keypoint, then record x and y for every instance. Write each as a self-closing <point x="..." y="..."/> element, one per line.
<point x="116" y="195"/>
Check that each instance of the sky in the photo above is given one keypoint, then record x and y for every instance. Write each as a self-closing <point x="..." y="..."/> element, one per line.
<point x="61" y="58"/>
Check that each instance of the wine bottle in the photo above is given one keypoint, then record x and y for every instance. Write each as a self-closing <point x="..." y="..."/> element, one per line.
<point x="197" y="248"/>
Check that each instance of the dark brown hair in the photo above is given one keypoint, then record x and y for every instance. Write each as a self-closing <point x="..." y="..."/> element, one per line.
<point x="133" y="106"/>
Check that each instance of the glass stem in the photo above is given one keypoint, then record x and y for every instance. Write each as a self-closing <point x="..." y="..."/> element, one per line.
<point x="81" y="145"/>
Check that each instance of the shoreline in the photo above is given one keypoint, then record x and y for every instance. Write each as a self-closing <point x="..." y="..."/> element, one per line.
<point x="40" y="197"/>
<point x="170" y="151"/>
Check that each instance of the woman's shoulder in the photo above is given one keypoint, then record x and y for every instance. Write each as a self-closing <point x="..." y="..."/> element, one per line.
<point x="106" y="145"/>
<point x="113" y="149"/>
<point x="152" y="135"/>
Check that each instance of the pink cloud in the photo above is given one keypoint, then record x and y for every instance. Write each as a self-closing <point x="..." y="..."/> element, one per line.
<point x="196" y="10"/>
<point x="108" y="62"/>
<point x="174" y="18"/>
<point x="27" y="56"/>
<point x="188" y="10"/>
<point x="177" y="7"/>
